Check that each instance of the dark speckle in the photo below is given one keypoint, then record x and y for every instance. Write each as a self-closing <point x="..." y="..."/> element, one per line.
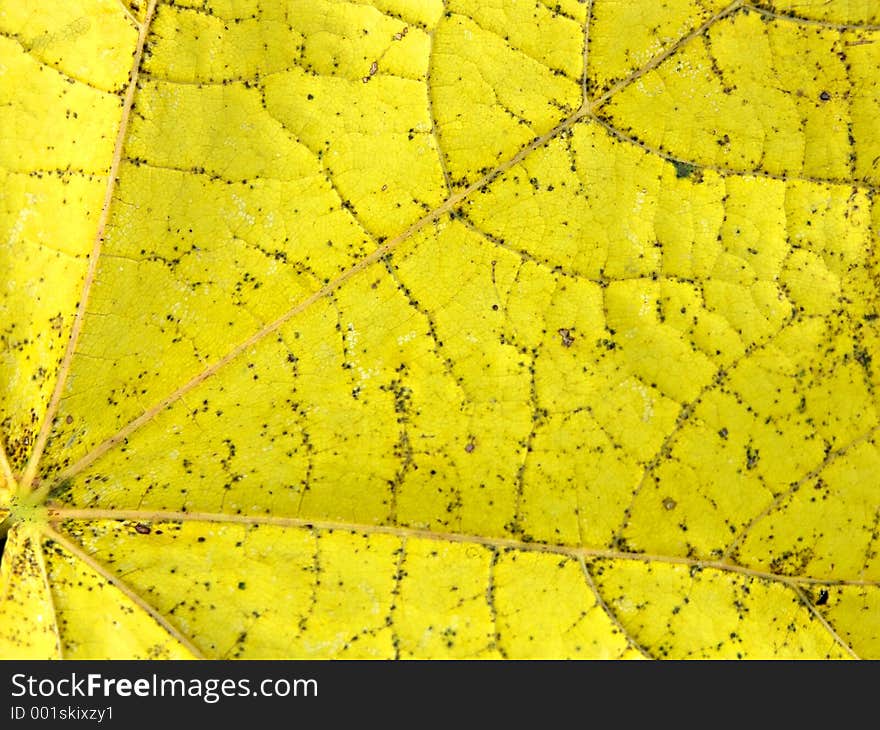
<point x="862" y="357"/>
<point x="685" y="169"/>
<point x="752" y="457"/>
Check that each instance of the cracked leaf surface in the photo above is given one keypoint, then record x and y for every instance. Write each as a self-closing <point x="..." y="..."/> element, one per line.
<point x="423" y="329"/>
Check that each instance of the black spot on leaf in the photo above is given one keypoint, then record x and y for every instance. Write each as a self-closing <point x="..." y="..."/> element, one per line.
<point x="687" y="170"/>
<point x="752" y="457"/>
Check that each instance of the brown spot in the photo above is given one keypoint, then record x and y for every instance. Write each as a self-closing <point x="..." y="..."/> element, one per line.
<point x="567" y="337"/>
<point x="68" y="420"/>
<point x="142" y="529"/>
<point x="824" y="96"/>
<point x="374" y="67"/>
<point x="470" y="446"/>
<point x="669" y="503"/>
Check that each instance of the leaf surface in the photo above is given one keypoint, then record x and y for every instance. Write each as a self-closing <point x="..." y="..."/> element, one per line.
<point x="439" y="329"/>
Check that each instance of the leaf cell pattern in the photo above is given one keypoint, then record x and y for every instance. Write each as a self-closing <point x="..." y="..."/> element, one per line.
<point x="440" y="328"/>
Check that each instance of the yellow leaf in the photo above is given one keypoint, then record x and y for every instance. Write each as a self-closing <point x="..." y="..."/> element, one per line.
<point x="403" y="328"/>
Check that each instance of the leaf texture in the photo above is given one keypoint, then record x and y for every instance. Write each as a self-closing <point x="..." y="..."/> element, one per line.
<point x="439" y="328"/>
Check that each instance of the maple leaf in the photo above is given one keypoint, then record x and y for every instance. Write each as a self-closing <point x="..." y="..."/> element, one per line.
<point x="440" y="329"/>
